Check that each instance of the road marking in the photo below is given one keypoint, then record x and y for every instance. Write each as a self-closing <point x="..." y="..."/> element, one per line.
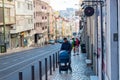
<point x="22" y="62"/>
<point x="23" y="67"/>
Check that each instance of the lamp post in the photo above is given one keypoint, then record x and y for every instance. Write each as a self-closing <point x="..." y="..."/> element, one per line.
<point x="3" y="45"/>
<point x="3" y="10"/>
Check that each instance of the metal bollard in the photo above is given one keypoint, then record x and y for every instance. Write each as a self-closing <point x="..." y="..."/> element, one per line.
<point x="32" y="73"/>
<point x="50" y="65"/>
<point x="20" y="76"/>
<point x="40" y="70"/>
<point x="56" y="60"/>
<point x="53" y="62"/>
<point x="46" y="76"/>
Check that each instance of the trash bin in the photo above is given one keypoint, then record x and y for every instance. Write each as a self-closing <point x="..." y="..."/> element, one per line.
<point x="2" y="48"/>
<point x="83" y="48"/>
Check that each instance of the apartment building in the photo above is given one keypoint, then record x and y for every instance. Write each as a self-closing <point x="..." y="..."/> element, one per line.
<point x="22" y="31"/>
<point x="42" y="21"/>
<point x="8" y="21"/>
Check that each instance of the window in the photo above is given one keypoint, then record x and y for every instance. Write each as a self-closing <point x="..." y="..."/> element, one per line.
<point x="42" y="28"/>
<point x="18" y="4"/>
<point x="42" y="7"/>
<point x="45" y="17"/>
<point x="28" y="6"/>
<point x="45" y="7"/>
<point x="45" y="27"/>
<point x="42" y="17"/>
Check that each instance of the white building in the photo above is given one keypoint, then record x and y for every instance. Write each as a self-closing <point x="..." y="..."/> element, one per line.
<point x="22" y="32"/>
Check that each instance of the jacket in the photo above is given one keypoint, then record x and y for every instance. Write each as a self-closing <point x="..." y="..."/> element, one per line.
<point x="66" y="46"/>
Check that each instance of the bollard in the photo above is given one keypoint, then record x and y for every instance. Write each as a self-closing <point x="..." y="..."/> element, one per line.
<point x="46" y="77"/>
<point x="20" y="76"/>
<point x="40" y="70"/>
<point x="50" y="65"/>
<point x="56" y="60"/>
<point x="53" y="62"/>
<point x="33" y="74"/>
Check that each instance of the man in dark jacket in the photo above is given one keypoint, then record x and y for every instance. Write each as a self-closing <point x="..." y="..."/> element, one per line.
<point x="68" y="47"/>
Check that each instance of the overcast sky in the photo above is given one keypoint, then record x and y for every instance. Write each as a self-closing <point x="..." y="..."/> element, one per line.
<point x="63" y="4"/>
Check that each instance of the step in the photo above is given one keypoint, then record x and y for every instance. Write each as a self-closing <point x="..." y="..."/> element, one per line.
<point x="93" y="78"/>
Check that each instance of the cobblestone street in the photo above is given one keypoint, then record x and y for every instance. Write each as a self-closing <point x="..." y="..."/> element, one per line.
<point x="79" y="67"/>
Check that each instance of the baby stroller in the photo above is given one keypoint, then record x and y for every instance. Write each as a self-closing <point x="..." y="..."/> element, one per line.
<point x="64" y="61"/>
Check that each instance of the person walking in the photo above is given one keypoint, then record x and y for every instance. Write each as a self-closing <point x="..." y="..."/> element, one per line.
<point x="77" y="45"/>
<point x="68" y="47"/>
<point x="73" y="46"/>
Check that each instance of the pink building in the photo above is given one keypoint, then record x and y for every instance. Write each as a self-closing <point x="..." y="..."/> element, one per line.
<point x="41" y="21"/>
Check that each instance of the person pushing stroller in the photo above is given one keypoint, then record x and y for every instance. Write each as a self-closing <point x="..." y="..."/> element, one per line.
<point x="67" y="47"/>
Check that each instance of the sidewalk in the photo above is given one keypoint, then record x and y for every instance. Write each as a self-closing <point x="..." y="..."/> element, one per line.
<point x="19" y="49"/>
<point x="11" y="51"/>
<point x="80" y="70"/>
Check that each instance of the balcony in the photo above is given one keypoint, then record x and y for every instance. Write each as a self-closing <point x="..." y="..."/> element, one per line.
<point x="8" y="20"/>
<point x="22" y="28"/>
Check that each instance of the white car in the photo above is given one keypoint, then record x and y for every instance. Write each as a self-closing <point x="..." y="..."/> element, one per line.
<point x="51" y="41"/>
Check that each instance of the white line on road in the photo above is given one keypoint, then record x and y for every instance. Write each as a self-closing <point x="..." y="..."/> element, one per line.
<point x="22" y="67"/>
<point x="22" y="62"/>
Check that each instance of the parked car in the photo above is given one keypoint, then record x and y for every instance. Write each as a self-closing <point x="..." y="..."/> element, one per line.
<point x="60" y="41"/>
<point x="51" y="42"/>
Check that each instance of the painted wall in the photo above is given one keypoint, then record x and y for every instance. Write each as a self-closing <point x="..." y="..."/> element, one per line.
<point x="112" y="49"/>
<point x="119" y="34"/>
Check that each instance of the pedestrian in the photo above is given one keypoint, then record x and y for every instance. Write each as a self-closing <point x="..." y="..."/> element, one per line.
<point x="68" y="47"/>
<point x="77" y="46"/>
<point x="73" y="46"/>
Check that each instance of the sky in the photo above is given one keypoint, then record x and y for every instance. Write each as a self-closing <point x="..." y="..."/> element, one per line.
<point x="63" y="4"/>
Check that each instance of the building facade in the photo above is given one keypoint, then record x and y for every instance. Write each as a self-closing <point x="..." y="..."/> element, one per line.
<point x="42" y="16"/>
<point x="22" y="31"/>
<point x="102" y="39"/>
<point x="7" y="23"/>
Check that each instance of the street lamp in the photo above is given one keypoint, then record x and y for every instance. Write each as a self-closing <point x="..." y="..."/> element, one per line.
<point x="3" y="10"/>
<point x="3" y="47"/>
